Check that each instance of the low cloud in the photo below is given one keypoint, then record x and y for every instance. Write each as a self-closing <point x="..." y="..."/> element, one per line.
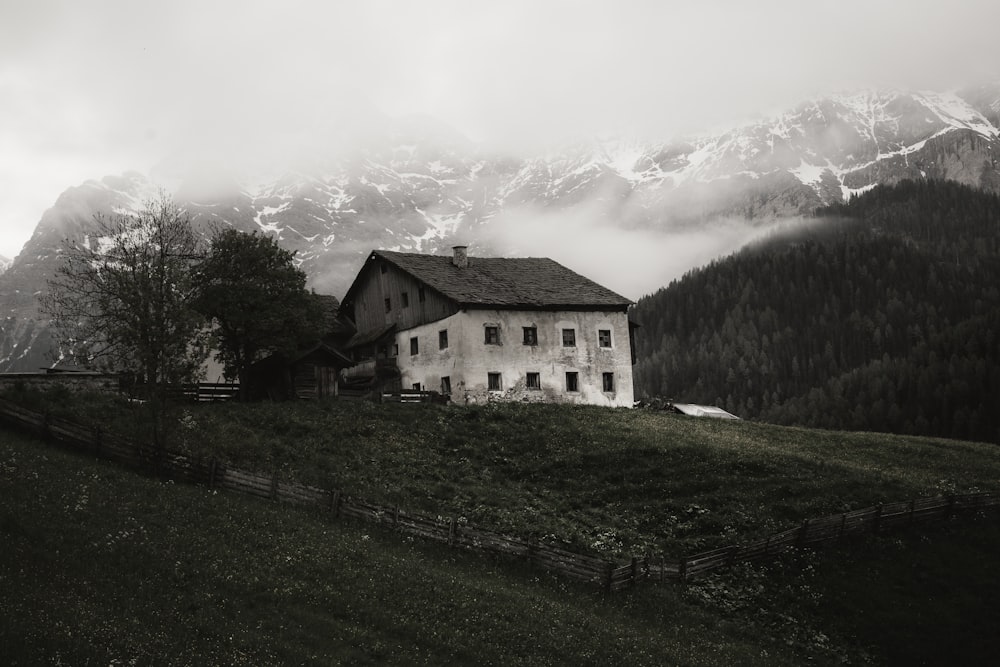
<point x="631" y="261"/>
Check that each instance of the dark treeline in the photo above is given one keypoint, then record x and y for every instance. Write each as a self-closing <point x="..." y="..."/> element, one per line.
<point x="881" y="314"/>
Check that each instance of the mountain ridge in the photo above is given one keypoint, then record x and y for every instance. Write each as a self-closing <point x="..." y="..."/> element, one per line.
<point x="421" y="188"/>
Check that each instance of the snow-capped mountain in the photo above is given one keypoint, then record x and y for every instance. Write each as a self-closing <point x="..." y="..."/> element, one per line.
<point x="5" y="263"/>
<point x="420" y="186"/>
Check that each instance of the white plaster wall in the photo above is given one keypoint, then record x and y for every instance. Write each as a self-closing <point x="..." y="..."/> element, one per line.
<point x="468" y="360"/>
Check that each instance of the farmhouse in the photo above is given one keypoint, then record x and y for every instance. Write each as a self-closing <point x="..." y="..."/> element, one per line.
<point x="476" y="328"/>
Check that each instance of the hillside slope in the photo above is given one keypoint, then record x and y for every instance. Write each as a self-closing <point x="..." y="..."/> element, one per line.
<point x="882" y="314"/>
<point x="614" y="483"/>
<point x="101" y="565"/>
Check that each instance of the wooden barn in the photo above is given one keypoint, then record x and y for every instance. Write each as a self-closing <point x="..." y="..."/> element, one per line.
<point x="312" y="373"/>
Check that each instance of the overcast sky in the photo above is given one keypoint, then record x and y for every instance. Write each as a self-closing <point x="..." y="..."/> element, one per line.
<point x="91" y="88"/>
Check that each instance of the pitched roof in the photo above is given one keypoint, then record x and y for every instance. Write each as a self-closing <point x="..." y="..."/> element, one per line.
<point x="524" y="282"/>
<point x="366" y="337"/>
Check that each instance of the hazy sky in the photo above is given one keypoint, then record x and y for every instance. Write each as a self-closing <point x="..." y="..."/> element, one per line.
<point x="91" y="88"/>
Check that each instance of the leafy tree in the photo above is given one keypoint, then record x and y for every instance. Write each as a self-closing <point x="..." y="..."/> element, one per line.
<point x="256" y="299"/>
<point x="122" y="298"/>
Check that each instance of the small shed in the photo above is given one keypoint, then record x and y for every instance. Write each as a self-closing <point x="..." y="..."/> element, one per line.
<point x="311" y="374"/>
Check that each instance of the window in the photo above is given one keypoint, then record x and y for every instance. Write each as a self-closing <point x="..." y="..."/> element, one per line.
<point x="446" y="385"/>
<point x="421" y="295"/>
<point x="609" y="381"/>
<point x="572" y="383"/>
<point x="604" y="337"/>
<point x="530" y="336"/>
<point x="405" y="299"/>
<point x="395" y="349"/>
<point x="533" y="381"/>
<point x="493" y="381"/>
<point x="442" y="339"/>
<point x="414" y="346"/>
<point x="492" y="335"/>
<point x="388" y="305"/>
<point x="416" y="386"/>
<point x="569" y="337"/>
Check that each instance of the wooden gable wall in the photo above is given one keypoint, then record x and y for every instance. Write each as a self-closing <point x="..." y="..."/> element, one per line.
<point x="378" y="285"/>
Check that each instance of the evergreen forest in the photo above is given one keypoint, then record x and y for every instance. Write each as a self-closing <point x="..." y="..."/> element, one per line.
<point x="881" y="314"/>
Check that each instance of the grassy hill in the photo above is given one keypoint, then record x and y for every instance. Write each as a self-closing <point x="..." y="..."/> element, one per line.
<point x="611" y="482"/>
<point x="103" y="566"/>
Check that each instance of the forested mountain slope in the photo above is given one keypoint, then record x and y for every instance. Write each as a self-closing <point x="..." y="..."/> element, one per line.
<point x="880" y="314"/>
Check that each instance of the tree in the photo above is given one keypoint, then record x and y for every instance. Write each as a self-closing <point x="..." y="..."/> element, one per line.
<point x="122" y="298"/>
<point x="256" y="300"/>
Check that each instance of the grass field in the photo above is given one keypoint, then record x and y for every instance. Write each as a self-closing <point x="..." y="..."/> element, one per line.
<point x="103" y="566"/>
<point x="613" y="482"/>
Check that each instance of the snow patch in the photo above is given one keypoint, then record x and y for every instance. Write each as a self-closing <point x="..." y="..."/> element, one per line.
<point x="854" y="192"/>
<point x="439" y="226"/>
<point x="957" y="113"/>
<point x="808" y="173"/>
<point x="270" y="226"/>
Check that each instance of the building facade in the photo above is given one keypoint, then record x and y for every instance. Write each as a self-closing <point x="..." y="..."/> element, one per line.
<point x="480" y="329"/>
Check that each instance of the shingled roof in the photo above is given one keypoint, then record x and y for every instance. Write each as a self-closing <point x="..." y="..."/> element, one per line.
<point x="524" y="282"/>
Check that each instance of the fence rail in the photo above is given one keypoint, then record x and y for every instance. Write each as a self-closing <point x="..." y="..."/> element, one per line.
<point x="197" y="392"/>
<point x="412" y="396"/>
<point x="610" y="575"/>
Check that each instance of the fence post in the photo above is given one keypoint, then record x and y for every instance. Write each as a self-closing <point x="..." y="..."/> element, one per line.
<point x="635" y="571"/>
<point x="731" y="556"/>
<point x="97" y="440"/>
<point x="451" y="532"/>
<point x="684" y="569"/>
<point x="843" y="525"/>
<point x="335" y="503"/>
<point x="46" y="430"/>
<point x="952" y="500"/>
<point x="274" y="486"/>
<point x="532" y="551"/>
<point x="608" y="576"/>
<point x="913" y="504"/>
<point x="802" y="533"/>
<point x="212" y="469"/>
<point x="878" y="519"/>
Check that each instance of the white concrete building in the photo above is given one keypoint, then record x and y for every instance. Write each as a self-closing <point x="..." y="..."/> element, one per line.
<point x="482" y="328"/>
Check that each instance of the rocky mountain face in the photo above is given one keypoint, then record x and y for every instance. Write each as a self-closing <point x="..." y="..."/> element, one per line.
<point x="418" y="190"/>
<point x="5" y="263"/>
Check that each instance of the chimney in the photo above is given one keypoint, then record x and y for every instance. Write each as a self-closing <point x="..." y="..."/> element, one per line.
<point x="461" y="256"/>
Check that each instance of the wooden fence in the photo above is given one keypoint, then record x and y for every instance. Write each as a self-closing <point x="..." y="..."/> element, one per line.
<point x="610" y="575"/>
<point x="412" y="396"/>
<point x="205" y="392"/>
<point x="196" y="392"/>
